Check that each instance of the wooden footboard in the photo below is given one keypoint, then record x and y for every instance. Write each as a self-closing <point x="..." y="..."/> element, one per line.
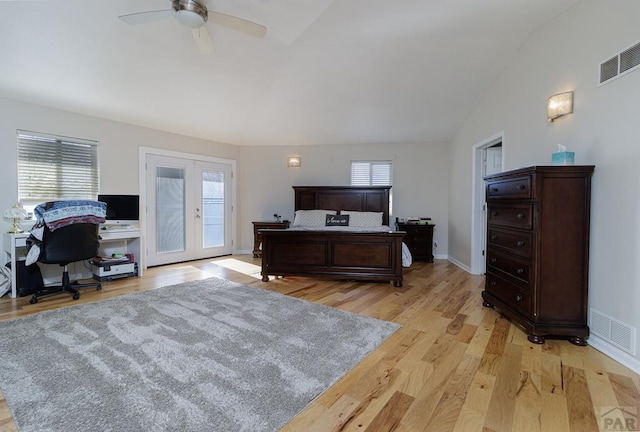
<point x="375" y="256"/>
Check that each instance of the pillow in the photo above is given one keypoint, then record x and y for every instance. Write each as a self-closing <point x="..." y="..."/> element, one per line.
<point x="363" y="219"/>
<point x="337" y="220"/>
<point x="311" y="217"/>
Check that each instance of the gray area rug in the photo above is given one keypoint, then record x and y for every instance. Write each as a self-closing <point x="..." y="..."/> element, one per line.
<point x="210" y="355"/>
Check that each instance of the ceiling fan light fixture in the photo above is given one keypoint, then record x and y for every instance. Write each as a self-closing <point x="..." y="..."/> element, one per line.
<point x="190" y="13"/>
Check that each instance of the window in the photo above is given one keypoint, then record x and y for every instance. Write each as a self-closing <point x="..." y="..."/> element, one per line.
<point x="53" y="167"/>
<point x="370" y="173"/>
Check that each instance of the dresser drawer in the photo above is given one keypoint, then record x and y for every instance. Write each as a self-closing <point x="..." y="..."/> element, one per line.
<point x="517" y="268"/>
<point x="517" y="188"/>
<point x="418" y="242"/>
<point x="416" y="230"/>
<point x="517" y="242"/>
<point x="412" y="229"/>
<point x="512" y="295"/>
<point x="515" y="215"/>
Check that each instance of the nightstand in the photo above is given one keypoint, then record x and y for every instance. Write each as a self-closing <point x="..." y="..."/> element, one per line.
<point x="257" y="238"/>
<point x="419" y="240"/>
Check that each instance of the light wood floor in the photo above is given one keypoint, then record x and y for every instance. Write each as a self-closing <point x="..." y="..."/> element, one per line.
<point x="454" y="365"/>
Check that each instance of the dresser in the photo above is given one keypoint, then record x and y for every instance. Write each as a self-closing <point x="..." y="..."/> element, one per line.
<point x="537" y="255"/>
<point x="419" y="240"/>
<point x="257" y="238"/>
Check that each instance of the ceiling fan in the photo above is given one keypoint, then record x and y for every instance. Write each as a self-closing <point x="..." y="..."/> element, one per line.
<point x="194" y="14"/>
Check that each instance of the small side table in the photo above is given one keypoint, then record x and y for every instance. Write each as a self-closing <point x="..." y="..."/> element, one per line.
<point x="419" y="240"/>
<point x="257" y="238"/>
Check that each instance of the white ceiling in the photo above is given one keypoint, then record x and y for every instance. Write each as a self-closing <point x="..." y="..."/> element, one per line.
<point x="328" y="72"/>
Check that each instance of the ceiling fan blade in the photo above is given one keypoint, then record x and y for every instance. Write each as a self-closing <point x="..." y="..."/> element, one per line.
<point x="146" y="17"/>
<point x="203" y="40"/>
<point x="238" y="24"/>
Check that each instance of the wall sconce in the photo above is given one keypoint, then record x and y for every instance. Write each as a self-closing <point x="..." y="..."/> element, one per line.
<point x="294" y="161"/>
<point x="559" y="105"/>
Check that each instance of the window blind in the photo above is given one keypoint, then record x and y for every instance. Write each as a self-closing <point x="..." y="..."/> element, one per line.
<point x="370" y="173"/>
<point x="52" y="167"/>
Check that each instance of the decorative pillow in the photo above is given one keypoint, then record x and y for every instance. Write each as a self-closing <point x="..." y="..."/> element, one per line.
<point x="363" y="219"/>
<point x="311" y="217"/>
<point x="337" y="220"/>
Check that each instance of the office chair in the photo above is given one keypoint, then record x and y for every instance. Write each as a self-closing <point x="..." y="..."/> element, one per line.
<point x="71" y="243"/>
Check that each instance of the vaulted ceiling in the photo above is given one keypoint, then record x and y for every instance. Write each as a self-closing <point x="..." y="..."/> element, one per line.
<point x="327" y="72"/>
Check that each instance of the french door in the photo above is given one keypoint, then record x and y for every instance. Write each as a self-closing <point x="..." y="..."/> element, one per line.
<point x="188" y="209"/>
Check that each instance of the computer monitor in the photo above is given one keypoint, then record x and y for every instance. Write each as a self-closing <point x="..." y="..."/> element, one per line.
<point x="121" y="209"/>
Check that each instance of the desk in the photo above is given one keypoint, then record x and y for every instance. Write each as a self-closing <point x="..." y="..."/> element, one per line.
<point x="122" y="240"/>
<point x="116" y="240"/>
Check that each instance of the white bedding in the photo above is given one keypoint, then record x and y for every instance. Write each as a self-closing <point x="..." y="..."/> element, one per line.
<point x="381" y="228"/>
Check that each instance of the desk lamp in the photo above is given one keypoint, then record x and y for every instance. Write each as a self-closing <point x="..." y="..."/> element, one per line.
<point x="16" y="213"/>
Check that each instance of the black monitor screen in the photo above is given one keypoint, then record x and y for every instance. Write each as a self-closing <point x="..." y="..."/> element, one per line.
<point x="121" y="207"/>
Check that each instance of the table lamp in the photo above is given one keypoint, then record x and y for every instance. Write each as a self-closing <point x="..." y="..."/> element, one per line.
<point x="16" y="213"/>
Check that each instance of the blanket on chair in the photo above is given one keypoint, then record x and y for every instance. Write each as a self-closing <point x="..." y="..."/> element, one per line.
<point x="58" y="214"/>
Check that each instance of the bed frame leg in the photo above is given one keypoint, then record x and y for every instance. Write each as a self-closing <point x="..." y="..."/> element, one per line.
<point x="265" y="278"/>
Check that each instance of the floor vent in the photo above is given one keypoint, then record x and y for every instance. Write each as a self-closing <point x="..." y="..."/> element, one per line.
<point x="621" y="64"/>
<point x="619" y="334"/>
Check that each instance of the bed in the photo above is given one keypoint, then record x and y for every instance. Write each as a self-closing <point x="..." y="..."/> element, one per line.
<point x="369" y="253"/>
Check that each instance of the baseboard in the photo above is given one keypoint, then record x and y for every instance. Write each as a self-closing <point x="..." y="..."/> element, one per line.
<point x="440" y="256"/>
<point x="460" y="264"/>
<point x="616" y="354"/>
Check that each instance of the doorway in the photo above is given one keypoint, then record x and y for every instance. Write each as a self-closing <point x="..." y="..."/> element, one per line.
<point x="189" y="207"/>
<point x="488" y="158"/>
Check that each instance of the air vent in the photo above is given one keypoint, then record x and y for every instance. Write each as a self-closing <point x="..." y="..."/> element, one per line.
<point x="630" y="58"/>
<point x="609" y="69"/>
<point x="613" y="331"/>
<point x="620" y="64"/>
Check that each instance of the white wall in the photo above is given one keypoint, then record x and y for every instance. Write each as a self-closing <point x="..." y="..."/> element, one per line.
<point x="419" y="180"/>
<point x="565" y="55"/>
<point x="118" y="149"/>
<point x="264" y="181"/>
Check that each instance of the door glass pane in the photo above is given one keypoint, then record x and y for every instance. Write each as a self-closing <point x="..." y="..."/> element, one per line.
<point x="212" y="209"/>
<point x="170" y="209"/>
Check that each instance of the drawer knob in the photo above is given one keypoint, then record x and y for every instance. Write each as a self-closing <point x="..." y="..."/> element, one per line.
<point x="494" y="213"/>
<point x="519" y="297"/>
<point x="494" y="260"/>
<point x="520" y="215"/>
<point x="492" y="283"/>
<point x="521" y="187"/>
<point x="494" y="237"/>
<point x="520" y="271"/>
<point x="494" y="189"/>
<point x="520" y="243"/>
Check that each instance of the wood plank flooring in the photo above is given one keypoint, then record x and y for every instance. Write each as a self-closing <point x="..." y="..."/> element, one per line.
<point x="453" y="366"/>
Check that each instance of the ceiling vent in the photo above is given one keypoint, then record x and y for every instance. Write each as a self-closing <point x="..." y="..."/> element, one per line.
<point x="622" y="63"/>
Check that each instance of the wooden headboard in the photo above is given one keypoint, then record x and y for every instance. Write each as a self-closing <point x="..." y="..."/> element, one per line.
<point x="353" y="198"/>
